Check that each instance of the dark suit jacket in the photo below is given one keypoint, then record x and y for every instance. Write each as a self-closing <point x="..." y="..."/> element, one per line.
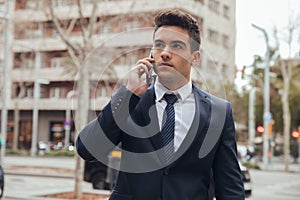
<point x="209" y="144"/>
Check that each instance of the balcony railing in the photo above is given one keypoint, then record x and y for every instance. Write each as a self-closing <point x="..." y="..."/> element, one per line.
<point x="55" y="104"/>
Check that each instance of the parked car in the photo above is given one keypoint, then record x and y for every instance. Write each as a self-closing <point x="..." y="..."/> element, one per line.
<point x="101" y="176"/>
<point x="1" y="181"/>
<point x="95" y="173"/>
<point x="246" y="180"/>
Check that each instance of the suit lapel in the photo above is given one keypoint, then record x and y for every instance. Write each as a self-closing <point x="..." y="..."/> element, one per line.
<point x="147" y="105"/>
<point x="202" y="115"/>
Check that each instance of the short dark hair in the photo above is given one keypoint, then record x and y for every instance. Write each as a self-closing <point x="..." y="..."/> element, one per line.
<point x="176" y="17"/>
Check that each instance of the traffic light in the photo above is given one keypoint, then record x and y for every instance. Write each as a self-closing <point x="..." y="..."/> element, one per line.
<point x="260" y="129"/>
<point x="295" y="134"/>
<point x="243" y="71"/>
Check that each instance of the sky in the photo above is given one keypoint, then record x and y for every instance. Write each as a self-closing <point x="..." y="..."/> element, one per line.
<point x="266" y="14"/>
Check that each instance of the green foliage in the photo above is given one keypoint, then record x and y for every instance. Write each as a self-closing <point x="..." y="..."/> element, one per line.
<point x="239" y="103"/>
<point x="16" y="152"/>
<point x="276" y="110"/>
<point x="62" y="152"/>
<point x="251" y="165"/>
<point x="295" y="105"/>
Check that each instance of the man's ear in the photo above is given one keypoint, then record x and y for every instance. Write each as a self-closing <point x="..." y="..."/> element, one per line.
<point x="196" y="57"/>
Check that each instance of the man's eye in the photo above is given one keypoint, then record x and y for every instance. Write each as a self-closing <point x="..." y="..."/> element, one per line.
<point x="159" y="45"/>
<point x="177" y="46"/>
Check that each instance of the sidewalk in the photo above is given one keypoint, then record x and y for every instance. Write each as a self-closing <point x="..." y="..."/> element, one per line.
<point x="40" y="166"/>
<point x="277" y="164"/>
<point x="31" y="178"/>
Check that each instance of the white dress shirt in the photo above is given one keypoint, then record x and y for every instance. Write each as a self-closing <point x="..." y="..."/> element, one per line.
<point x="184" y="109"/>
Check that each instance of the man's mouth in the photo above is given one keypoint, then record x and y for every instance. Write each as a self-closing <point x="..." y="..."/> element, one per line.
<point x="165" y="64"/>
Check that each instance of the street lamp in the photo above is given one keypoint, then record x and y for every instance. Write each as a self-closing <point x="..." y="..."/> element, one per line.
<point x="68" y="117"/>
<point x="251" y="120"/>
<point x="36" y="96"/>
<point x="6" y="74"/>
<point x="267" y="116"/>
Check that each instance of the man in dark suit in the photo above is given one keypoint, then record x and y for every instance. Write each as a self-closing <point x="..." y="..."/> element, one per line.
<point x="172" y="134"/>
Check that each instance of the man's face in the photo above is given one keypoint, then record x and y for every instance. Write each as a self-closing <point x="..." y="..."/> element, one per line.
<point x="172" y="55"/>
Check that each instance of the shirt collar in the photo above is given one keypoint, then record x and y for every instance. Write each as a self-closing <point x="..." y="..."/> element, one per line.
<point x="182" y="92"/>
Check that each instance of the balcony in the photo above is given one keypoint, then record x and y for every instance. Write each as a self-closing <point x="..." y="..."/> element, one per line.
<point x="51" y="74"/>
<point x="109" y="8"/>
<point x="56" y="104"/>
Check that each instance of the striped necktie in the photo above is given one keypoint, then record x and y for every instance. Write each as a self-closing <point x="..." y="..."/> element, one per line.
<point x="168" y="126"/>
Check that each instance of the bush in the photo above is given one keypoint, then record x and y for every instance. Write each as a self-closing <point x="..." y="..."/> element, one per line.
<point x="16" y="152"/>
<point x="62" y="152"/>
<point x="251" y="165"/>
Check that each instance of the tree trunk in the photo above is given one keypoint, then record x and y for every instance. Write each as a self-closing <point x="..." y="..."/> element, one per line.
<point x="286" y="73"/>
<point x="16" y="124"/>
<point x="81" y="120"/>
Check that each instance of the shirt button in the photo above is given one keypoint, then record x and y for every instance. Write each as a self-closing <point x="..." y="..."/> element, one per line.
<point x="166" y="172"/>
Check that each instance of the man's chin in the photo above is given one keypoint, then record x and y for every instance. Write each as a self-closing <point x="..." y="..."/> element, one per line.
<point x="171" y="79"/>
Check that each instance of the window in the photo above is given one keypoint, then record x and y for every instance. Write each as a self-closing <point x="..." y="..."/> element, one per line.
<point x="43" y="92"/>
<point x="214" y="5"/>
<point x="57" y="134"/>
<point x="29" y="93"/>
<point x="57" y="93"/>
<point x="106" y="29"/>
<point x="29" y="64"/>
<point x="102" y="92"/>
<point x="225" y="41"/>
<point x="57" y="62"/>
<point x="33" y="4"/>
<point x="211" y="64"/>
<point x="226" y="13"/>
<point x="60" y="3"/>
<point x="213" y="36"/>
<point x="224" y="69"/>
<point x="201" y="1"/>
<point x="130" y="26"/>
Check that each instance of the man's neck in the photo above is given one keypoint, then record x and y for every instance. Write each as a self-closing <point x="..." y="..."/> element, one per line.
<point x="173" y="85"/>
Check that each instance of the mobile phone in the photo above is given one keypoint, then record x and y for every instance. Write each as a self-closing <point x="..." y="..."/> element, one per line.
<point x="149" y="76"/>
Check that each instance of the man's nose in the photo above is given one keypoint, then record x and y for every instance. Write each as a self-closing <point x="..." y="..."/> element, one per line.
<point x="165" y="54"/>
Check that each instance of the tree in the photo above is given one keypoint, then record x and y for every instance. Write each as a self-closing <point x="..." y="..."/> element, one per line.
<point x="87" y="23"/>
<point x="78" y="52"/>
<point x="286" y="67"/>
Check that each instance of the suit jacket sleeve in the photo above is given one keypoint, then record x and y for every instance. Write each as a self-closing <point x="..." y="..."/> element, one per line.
<point x="104" y="133"/>
<point x="226" y="170"/>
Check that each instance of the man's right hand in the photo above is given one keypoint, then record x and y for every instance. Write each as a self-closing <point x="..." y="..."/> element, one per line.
<point x="135" y="82"/>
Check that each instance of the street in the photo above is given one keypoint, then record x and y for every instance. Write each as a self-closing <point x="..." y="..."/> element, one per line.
<point x="266" y="185"/>
<point x="27" y="183"/>
<point x="275" y="185"/>
<point x="35" y="187"/>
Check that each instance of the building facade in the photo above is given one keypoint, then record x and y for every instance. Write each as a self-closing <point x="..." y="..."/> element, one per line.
<point x="123" y="34"/>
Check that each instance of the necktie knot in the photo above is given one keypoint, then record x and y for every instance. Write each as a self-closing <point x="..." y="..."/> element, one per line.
<point x="170" y="98"/>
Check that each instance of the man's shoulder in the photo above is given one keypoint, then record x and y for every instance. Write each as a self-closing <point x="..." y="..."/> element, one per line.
<point x="212" y="98"/>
